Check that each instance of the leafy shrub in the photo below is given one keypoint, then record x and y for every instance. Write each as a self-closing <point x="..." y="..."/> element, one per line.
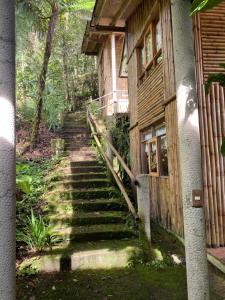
<point x="121" y="141"/>
<point x="37" y="234"/>
<point x="27" y="271"/>
<point x="23" y="182"/>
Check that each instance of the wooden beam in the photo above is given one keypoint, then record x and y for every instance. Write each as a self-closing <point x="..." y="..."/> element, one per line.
<point x="110" y="28"/>
<point x="96" y="20"/>
<point x="120" y="12"/>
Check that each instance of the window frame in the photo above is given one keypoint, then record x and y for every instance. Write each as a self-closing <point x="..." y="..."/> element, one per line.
<point x="155" y="53"/>
<point x="154" y="139"/>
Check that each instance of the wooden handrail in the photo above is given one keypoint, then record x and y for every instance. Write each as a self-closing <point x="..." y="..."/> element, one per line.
<point x="109" y="164"/>
<point x="120" y="159"/>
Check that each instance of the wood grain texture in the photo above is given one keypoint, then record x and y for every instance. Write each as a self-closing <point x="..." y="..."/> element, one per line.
<point x="210" y="52"/>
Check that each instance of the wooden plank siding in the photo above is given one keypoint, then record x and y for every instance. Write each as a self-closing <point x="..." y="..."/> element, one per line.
<point x="148" y="104"/>
<point x="150" y="98"/>
<point x="210" y="51"/>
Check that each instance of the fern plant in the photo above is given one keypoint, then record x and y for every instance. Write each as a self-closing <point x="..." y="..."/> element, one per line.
<point x="37" y="235"/>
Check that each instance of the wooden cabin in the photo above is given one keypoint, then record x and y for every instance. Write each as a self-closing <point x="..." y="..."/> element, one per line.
<point x="148" y="52"/>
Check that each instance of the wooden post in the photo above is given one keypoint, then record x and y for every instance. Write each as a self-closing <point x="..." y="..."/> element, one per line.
<point x="7" y="150"/>
<point x="114" y="85"/>
<point x="189" y="151"/>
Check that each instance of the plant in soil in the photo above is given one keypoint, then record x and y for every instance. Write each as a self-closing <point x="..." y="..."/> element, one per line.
<point x="37" y="234"/>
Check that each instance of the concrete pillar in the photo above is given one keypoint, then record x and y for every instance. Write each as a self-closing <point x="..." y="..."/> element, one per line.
<point x="189" y="151"/>
<point x="7" y="150"/>
<point x="143" y="199"/>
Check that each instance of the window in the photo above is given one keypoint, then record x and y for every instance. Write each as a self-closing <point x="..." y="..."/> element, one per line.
<point x="149" y="50"/>
<point x="154" y="151"/>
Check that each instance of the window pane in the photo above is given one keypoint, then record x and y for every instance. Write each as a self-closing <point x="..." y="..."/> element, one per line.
<point x="160" y="130"/>
<point x="148" y="47"/>
<point x="148" y="136"/>
<point x="163" y="156"/>
<point x="158" y="36"/>
<point x="141" y="60"/>
<point x="153" y="157"/>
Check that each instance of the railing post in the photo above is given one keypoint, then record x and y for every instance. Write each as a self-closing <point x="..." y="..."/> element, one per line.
<point x="143" y="199"/>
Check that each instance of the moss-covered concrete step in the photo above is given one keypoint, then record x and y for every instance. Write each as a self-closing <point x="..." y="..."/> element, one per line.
<point x="69" y="130"/>
<point x="77" y="137"/>
<point x="88" y="218"/>
<point x="95" y="232"/>
<point x="81" y="147"/>
<point x="71" y="206"/>
<point x="84" y="176"/>
<point x="79" y="194"/>
<point x="84" y="256"/>
<point x="90" y="163"/>
<point x="82" y="170"/>
<point x="69" y="184"/>
<point x="88" y="169"/>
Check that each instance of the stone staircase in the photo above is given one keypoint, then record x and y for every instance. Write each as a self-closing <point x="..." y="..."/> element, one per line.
<point x="86" y="210"/>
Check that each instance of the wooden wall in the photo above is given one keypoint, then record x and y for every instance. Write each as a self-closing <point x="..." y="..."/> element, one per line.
<point x="210" y="51"/>
<point x="152" y="101"/>
<point x="104" y="68"/>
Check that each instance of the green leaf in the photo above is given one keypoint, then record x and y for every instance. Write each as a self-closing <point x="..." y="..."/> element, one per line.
<point x="23" y="183"/>
<point x="202" y="5"/>
<point x="223" y="147"/>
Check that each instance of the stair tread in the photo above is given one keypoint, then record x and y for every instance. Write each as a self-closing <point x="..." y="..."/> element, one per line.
<point x="103" y="180"/>
<point x="94" y="214"/>
<point x="83" y="177"/>
<point x="86" y="229"/>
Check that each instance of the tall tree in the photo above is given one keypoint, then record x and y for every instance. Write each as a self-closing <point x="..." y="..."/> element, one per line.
<point x="38" y="9"/>
<point x="7" y="150"/>
<point x="42" y="78"/>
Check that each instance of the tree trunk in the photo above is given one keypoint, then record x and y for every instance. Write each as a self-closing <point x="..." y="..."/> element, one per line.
<point x="7" y="150"/>
<point x="42" y="78"/>
<point x="189" y="151"/>
<point x="66" y="74"/>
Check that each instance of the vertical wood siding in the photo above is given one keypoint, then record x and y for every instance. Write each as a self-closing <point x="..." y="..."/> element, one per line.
<point x="146" y="107"/>
<point x="210" y="51"/>
<point x="167" y="50"/>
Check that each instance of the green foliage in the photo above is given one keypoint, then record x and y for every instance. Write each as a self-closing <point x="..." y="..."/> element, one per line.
<point x="219" y="77"/>
<point x="121" y="141"/>
<point x="71" y="75"/>
<point x="94" y="108"/>
<point x="37" y="171"/>
<point x="201" y="5"/>
<point x="37" y="234"/>
<point x="23" y="181"/>
<point x="223" y="147"/>
<point x="27" y="271"/>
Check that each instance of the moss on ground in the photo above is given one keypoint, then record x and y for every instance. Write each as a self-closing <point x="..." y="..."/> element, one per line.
<point x="139" y="283"/>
